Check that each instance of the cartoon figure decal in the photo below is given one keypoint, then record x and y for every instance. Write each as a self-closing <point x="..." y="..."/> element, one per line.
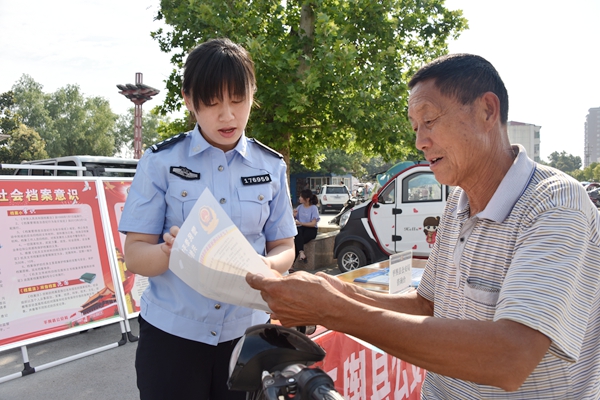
<point x="430" y="225"/>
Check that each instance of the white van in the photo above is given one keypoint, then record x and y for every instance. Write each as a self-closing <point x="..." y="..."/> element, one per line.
<point x="80" y="166"/>
<point x="403" y="214"/>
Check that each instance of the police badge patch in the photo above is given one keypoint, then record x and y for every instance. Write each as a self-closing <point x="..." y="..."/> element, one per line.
<point x="185" y="173"/>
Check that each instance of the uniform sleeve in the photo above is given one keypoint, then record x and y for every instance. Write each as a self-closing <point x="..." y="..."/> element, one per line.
<point x="145" y="207"/>
<point x="550" y="284"/>
<point x="280" y="224"/>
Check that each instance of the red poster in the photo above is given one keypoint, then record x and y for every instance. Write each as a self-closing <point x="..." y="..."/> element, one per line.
<point x="133" y="285"/>
<point x="54" y="268"/>
<point x="361" y="372"/>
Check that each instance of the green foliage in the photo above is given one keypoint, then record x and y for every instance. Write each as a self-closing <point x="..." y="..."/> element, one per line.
<point x="330" y="73"/>
<point x="167" y="127"/>
<point x="564" y="162"/>
<point x="589" y="174"/>
<point x="68" y="122"/>
<point x="24" y="144"/>
<point x="123" y="132"/>
<point x="9" y="120"/>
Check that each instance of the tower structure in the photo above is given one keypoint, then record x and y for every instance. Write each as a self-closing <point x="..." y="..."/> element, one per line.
<point x="138" y="94"/>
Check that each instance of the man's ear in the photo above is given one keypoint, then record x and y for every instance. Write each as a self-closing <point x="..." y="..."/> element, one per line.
<point x="490" y="104"/>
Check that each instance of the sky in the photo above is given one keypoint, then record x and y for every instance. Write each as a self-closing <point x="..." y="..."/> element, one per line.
<point x="545" y="51"/>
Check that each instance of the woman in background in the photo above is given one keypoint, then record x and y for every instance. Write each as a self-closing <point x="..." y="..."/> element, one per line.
<point x="306" y="216"/>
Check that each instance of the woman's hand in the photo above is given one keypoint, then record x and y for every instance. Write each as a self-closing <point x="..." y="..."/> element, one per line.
<point x="169" y="239"/>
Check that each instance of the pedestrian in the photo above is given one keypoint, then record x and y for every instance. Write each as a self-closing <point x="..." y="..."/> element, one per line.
<point x="307" y="217"/>
<point x="186" y="339"/>
<point x="509" y="304"/>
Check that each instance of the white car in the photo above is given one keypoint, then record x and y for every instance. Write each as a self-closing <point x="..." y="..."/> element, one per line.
<point x="333" y="197"/>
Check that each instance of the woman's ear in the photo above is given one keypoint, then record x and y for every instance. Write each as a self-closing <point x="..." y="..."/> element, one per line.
<point x="188" y="102"/>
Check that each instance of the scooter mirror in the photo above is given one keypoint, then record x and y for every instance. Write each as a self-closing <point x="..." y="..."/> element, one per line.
<point x="270" y="348"/>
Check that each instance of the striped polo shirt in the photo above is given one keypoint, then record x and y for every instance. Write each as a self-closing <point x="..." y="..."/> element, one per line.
<point x="532" y="256"/>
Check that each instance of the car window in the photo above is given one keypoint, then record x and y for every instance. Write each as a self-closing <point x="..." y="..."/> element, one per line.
<point x="421" y="186"/>
<point x="336" y="190"/>
<point x="388" y="195"/>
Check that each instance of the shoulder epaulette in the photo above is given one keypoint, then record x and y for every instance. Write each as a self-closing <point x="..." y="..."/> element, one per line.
<point x="264" y="146"/>
<point x="167" y="142"/>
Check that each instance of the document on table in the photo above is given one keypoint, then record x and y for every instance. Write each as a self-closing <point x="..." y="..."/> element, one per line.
<point x="212" y="256"/>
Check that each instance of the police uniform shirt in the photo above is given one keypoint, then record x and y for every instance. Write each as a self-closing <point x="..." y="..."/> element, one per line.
<point x="250" y="184"/>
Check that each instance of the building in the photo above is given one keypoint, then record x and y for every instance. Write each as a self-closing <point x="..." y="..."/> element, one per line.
<point x="591" y="149"/>
<point x="527" y="135"/>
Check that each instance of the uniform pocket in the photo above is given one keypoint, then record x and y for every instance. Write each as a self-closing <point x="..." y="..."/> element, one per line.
<point x="181" y="198"/>
<point x="254" y="207"/>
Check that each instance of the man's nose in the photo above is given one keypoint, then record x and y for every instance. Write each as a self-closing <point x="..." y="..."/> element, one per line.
<point x="422" y="140"/>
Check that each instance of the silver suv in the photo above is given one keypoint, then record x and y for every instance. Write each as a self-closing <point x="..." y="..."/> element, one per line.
<point x="333" y="197"/>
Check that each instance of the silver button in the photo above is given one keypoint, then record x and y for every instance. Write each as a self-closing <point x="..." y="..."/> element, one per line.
<point x="221" y="168"/>
<point x="222" y="201"/>
<point x="213" y="333"/>
<point x="261" y="197"/>
<point x="217" y="306"/>
<point x="184" y="193"/>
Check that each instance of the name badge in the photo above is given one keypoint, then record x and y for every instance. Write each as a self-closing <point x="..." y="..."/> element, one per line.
<point x="185" y="173"/>
<point x="254" y="180"/>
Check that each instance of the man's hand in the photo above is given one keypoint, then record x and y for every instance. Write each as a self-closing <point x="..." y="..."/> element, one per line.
<point x="298" y="299"/>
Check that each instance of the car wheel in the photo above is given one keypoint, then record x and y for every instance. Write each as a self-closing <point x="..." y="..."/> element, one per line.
<point x="351" y="257"/>
<point x="321" y="209"/>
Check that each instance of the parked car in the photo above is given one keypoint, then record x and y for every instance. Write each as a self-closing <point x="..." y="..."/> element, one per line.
<point x="591" y="186"/>
<point x="403" y="214"/>
<point x="333" y="197"/>
<point x="594" y="195"/>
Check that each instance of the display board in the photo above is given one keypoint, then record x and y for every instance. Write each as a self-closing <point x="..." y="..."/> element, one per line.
<point x="115" y="193"/>
<point x="55" y="270"/>
<point x="361" y="371"/>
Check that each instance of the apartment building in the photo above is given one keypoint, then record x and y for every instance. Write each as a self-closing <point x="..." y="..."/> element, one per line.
<point x="591" y="150"/>
<point x="527" y="135"/>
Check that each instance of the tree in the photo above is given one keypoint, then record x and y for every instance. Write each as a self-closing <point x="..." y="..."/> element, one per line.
<point x="339" y="162"/>
<point x="331" y="73"/>
<point x="124" y="130"/>
<point x="564" y="162"/>
<point x="68" y="122"/>
<point x="9" y="119"/>
<point x="24" y="144"/>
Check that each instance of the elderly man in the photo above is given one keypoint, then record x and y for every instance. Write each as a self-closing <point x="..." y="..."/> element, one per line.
<point x="509" y="305"/>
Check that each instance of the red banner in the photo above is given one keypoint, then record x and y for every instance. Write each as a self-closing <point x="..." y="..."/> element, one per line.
<point x="115" y="192"/>
<point x="361" y="372"/>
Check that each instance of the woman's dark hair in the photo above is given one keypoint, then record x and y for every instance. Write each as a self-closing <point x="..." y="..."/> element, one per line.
<point x="308" y="194"/>
<point x="215" y="66"/>
<point x="465" y="77"/>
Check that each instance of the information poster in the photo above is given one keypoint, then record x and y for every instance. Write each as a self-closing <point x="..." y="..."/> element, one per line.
<point x="115" y="192"/>
<point x="55" y="273"/>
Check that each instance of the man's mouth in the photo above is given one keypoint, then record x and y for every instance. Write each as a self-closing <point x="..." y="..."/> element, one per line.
<point x="227" y="131"/>
<point x="435" y="160"/>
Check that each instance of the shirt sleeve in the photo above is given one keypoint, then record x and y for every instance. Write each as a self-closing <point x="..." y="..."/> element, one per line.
<point x="549" y="285"/>
<point x="314" y="213"/>
<point x="145" y="207"/>
<point x="280" y="224"/>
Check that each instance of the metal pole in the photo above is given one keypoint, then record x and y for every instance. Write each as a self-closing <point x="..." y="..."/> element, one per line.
<point x="137" y="127"/>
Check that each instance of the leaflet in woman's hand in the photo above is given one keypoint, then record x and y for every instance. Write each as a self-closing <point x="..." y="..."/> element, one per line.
<point x="212" y="256"/>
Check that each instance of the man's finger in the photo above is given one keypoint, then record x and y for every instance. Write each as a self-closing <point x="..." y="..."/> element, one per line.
<point x="254" y="280"/>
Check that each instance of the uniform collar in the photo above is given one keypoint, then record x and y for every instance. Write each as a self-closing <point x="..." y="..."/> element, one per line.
<point x="199" y="144"/>
<point x="508" y="192"/>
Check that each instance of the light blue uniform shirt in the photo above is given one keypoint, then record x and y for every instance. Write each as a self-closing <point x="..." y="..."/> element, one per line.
<point x="250" y="184"/>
